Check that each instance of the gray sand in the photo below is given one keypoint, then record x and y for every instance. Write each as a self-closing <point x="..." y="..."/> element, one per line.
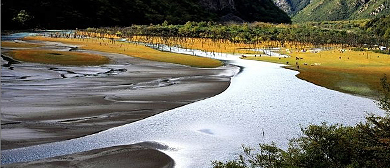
<point x="48" y="103"/>
<point x="141" y="155"/>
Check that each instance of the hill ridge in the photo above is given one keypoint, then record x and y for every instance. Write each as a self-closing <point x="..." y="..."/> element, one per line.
<point x="334" y="10"/>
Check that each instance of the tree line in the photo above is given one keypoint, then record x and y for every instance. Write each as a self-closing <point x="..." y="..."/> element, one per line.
<point x="254" y="33"/>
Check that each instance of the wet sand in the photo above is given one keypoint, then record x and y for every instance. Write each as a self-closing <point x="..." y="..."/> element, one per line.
<point x="142" y="155"/>
<point x="44" y="103"/>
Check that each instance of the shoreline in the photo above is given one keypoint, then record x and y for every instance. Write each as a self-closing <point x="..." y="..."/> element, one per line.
<point x="71" y="103"/>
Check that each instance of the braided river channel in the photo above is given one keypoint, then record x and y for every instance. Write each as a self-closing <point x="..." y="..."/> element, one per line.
<point x="264" y="103"/>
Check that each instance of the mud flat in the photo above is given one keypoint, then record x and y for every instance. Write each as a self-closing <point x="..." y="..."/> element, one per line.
<point x="141" y="155"/>
<point x="42" y="103"/>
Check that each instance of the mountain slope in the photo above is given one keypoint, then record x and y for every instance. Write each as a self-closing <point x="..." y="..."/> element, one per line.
<point x="95" y="13"/>
<point x="247" y="10"/>
<point x="380" y="27"/>
<point x="291" y="7"/>
<point x="329" y="10"/>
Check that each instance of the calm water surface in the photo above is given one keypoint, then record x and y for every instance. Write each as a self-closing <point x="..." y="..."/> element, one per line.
<point x="263" y="98"/>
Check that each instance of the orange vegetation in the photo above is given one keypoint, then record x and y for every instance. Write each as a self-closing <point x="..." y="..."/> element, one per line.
<point x="216" y="45"/>
<point x="10" y="44"/>
<point x="140" y="51"/>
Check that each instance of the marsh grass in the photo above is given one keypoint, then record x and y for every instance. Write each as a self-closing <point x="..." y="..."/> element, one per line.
<point x="140" y="51"/>
<point x="11" y="44"/>
<point x="355" y="72"/>
<point x="58" y="57"/>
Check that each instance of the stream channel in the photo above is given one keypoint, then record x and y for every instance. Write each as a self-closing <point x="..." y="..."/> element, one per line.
<point x="265" y="103"/>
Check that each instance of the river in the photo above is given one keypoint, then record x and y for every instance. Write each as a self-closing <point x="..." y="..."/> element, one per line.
<point x="264" y="103"/>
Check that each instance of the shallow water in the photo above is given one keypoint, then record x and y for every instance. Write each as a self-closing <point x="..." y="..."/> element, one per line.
<point x="264" y="97"/>
<point x="16" y="36"/>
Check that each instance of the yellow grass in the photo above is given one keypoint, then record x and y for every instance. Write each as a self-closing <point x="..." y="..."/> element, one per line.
<point x="97" y="35"/>
<point x="356" y="72"/>
<point x="205" y="44"/>
<point x="10" y="44"/>
<point x="58" y="57"/>
<point x="216" y="45"/>
<point x="134" y="50"/>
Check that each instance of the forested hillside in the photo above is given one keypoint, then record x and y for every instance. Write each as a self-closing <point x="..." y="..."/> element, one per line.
<point x="331" y="10"/>
<point x="63" y="14"/>
<point x="379" y="27"/>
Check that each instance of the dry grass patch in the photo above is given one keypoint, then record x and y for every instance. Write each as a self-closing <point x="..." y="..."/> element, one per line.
<point x="58" y="57"/>
<point x="11" y="44"/>
<point x="134" y="50"/>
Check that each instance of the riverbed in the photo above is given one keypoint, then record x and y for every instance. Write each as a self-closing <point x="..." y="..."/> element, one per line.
<point x="265" y="103"/>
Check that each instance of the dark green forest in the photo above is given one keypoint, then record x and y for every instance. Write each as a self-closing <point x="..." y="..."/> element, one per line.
<point x="379" y="26"/>
<point x="71" y="14"/>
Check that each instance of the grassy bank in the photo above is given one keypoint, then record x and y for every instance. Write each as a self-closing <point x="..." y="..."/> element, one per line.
<point x="58" y="57"/>
<point x="12" y="44"/>
<point x="355" y="72"/>
<point x="134" y="50"/>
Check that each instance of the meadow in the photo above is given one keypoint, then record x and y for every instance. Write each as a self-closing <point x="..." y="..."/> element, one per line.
<point x="58" y="57"/>
<point x="139" y="51"/>
<point x="32" y="52"/>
